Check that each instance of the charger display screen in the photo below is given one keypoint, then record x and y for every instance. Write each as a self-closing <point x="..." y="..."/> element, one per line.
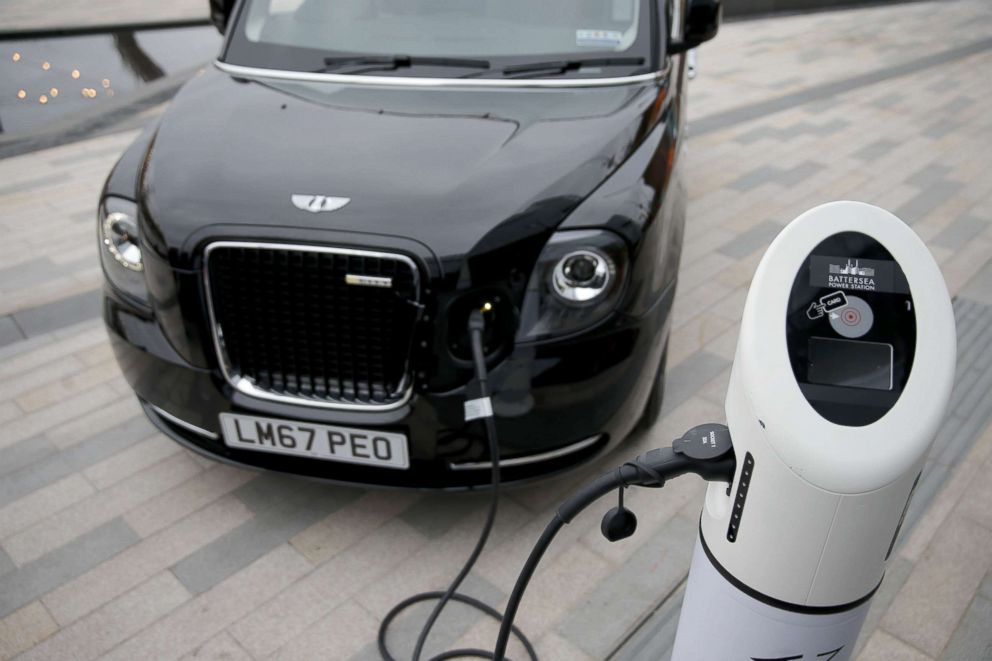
<point x="850" y="329"/>
<point x="850" y="363"/>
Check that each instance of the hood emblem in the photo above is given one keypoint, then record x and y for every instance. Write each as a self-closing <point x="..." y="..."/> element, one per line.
<point x="318" y="203"/>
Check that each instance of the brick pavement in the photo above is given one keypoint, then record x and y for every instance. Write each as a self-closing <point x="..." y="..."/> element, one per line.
<point x="116" y="542"/>
<point x="31" y="15"/>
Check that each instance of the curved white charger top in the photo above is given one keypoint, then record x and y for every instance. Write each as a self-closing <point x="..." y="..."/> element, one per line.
<point x="834" y="457"/>
<point x="844" y="366"/>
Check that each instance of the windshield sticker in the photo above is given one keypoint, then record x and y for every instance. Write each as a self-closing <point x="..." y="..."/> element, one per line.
<point x="598" y="38"/>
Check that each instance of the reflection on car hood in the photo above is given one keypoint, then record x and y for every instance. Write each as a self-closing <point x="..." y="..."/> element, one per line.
<point x="446" y="167"/>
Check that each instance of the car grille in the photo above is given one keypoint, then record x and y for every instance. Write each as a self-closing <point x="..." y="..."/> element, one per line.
<point x="287" y="325"/>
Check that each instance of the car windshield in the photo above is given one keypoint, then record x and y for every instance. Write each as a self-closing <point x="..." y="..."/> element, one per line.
<point x="449" y="38"/>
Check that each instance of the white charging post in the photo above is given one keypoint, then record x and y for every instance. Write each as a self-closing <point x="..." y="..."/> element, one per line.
<point x="844" y="366"/>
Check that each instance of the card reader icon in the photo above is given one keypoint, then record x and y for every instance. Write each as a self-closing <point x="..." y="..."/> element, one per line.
<point x="827" y="303"/>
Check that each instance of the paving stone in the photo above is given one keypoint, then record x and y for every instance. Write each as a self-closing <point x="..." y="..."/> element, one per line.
<point x="307" y="601"/>
<point x="35" y="351"/>
<point x="928" y="199"/>
<point x="132" y="460"/>
<point x="10" y="332"/>
<point x="654" y="640"/>
<point x="75" y="598"/>
<point x="683" y="380"/>
<point x="195" y="493"/>
<point x="24" y="628"/>
<point x="928" y="175"/>
<point x="897" y="571"/>
<point x="102" y="506"/>
<point x="36" y="182"/>
<point x="883" y="647"/>
<point x="940" y="128"/>
<point x="38" y="577"/>
<point x="206" y="615"/>
<point x="635" y="588"/>
<point x="930" y="604"/>
<point x="25" y="453"/>
<point x="97" y="421"/>
<point x="44" y="375"/>
<point x="27" y="274"/>
<point x="38" y="421"/>
<point x="973" y="638"/>
<point x="888" y="100"/>
<point x="59" y="314"/>
<point x="559" y="587"/>
<point x="776" y="175"/>
<point x="875" y="150"/>
<point x="43" y="503"/>
<point x="786" y="133"/>
<point x="758" y="237"/>
<point x="434" y="514"/>
<point x="6" y="564"/>
<point x="100" y="631"/>
<point x="980" y="287"/>
<point x="349" y="525"/>
<point x="53" y="467"/>
<point x="223" y="647"/>
<point x="66" y="387"/>
<point x="276" y="521"/>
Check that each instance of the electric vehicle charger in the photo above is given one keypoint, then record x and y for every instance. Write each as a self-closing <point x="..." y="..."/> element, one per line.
<point x="844" y="366"/>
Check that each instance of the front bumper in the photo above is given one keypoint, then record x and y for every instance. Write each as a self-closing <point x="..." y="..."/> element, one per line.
<point x="557" y="405"/>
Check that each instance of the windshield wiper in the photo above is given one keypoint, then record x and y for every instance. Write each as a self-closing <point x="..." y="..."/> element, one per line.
<point x="373" y="62"/>
<point x="564" y="66"/>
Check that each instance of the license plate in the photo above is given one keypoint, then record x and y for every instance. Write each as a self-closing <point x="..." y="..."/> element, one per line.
<point x="304" y="439"/>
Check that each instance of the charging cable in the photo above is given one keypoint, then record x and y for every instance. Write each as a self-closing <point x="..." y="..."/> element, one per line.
<point x="480" y="407"/>
<point x="705" y="450"/>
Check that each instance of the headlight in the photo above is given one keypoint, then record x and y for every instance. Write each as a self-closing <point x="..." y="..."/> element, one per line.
<point x="120" y="252"/>
<point x="576" y="283"/>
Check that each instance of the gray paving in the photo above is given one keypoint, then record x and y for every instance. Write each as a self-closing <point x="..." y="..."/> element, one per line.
<point x="783" y="176"/>
<point x="876" y="149"/>
<point x="632" y="591"/>
<point x="685" y="379"/>
<point x="745" y="243"/>
<point x="49" y="571"/>
<point x="717" y="121"/>
<point x="972" y="641"/>
<point x="9" y="331"/>
<point x="48" y="468"/>
<point x="434" y="515"/>
<point x="960" y="232"/>
<point x="283" y="506"/>
<point x="980" y="289"/>
<point x="59" y="314"/>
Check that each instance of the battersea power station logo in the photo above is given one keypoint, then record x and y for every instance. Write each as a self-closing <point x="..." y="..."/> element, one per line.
<point x="851" y="276"/>
<point x="856" y="274"/>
